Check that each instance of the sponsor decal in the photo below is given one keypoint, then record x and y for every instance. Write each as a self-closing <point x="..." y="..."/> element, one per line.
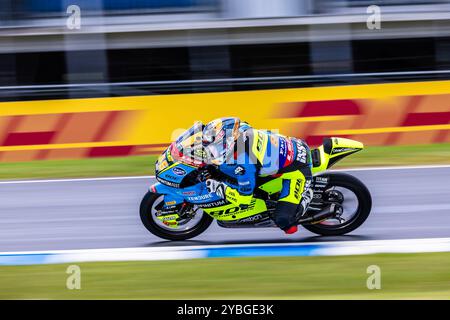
<point x="169" y="176"/>
<point x="286" y="156"/>
<point x="231" y="195"/>
<point x="170" y="203"/>
<point x="239" y="170"/>
<point x="168" y="218"/>
<point x="282" y="152"/>
<point x="168" y="183"/>
<point x="212" y="204"/>
<point x="200" y="197"/>
<point x="188" y="193"/>
<point x="339" y="150"/>
<point x="245" y="189"/>
<point x="320" y="182"/>
<point x="298" y="184"/>
<point x="283" y="147"/>
<point x="256" y="217"/>
<point x="234" y="210"/>
<point x="290" y="153"/>
<point x="301" y="153"/>
<point x="322" y="179"/>
<point x="179" y="171"/>
<point x="166" y="210"/>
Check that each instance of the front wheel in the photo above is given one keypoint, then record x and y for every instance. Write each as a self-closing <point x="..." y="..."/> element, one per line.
<point x="190" y="228"/>
<point x="356" y="202"/>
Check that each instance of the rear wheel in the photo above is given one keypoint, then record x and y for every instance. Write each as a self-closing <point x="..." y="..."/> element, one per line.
<point x="356" y="203"/>
<point x="188" y="228"/>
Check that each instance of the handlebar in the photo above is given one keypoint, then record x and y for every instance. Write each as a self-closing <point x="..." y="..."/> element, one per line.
<point x="212" y="172"/>
<point x="207" y="172"/>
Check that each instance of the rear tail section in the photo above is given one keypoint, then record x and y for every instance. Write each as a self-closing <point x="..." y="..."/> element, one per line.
<point x="331" y="151"/>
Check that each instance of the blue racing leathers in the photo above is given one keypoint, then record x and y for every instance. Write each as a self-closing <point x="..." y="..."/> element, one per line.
<point x="265" y="155"/>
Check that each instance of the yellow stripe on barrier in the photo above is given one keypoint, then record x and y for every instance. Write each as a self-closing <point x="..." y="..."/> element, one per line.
<point x="66" y="146"/>
<point x="312" y="119"/>
<point x="248" y="99"/>
<point x="391" y="129"/>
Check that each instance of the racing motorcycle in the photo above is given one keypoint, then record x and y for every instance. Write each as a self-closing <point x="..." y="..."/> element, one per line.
<point x="179" y="207"/>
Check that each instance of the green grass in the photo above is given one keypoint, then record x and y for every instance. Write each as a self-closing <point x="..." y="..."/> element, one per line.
<point x="94" y="167"/>
<point x="430" y="154"/>
<point x="421" y="276"/>
<point x="144" y="165"/>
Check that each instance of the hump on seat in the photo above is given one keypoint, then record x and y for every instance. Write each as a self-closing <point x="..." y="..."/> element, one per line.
<point x="316" y="157"/>
<point x="327" y="145"/>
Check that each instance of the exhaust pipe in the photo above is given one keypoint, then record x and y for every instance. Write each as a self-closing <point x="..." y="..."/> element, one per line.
<point x="328" y="212"/>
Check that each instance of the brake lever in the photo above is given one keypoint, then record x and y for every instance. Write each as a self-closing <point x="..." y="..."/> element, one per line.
<point x="204" y="174"/>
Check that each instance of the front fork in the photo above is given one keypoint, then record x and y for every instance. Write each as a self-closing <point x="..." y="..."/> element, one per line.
<point x="176" y="215"/>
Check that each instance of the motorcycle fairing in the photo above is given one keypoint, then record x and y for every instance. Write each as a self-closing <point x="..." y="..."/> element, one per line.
<point x="173" y="174"/>
<point x="232" y="212"/>
<point x="341" y="148"/>
<point x="196" y="194"/>
<point x="272" y="186"/>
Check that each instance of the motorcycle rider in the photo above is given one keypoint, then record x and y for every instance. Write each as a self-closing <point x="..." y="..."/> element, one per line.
<point x="247" y="154"/>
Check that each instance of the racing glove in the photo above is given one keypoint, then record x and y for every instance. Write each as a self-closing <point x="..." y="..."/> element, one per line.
<point x="216" y="187"/>
<point x="224" y="191"/>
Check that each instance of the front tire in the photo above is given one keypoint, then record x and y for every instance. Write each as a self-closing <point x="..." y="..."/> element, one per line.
<point x="362" y="212"/>
<point x="174" y="235"/>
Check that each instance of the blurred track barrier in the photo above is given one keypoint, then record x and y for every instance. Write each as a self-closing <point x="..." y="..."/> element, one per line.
<point x="230" y="251"/>
<point x="376" y="114"/>
<point x="39" y="6"/>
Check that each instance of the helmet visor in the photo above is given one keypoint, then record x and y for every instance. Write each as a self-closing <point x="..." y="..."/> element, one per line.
<point x="188" y="147"/>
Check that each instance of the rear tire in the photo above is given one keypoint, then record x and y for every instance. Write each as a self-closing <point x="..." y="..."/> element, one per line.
<point x="364" y="206"/>
<point x="150" y="224"/>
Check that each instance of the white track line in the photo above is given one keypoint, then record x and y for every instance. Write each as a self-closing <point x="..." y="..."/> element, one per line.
<point x="151" y="177"/>
<point x="395" y="168"/>
<point x="356" y="243"/>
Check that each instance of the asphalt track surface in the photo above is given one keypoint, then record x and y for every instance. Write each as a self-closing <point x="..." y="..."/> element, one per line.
<point x="408" y="203"/>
